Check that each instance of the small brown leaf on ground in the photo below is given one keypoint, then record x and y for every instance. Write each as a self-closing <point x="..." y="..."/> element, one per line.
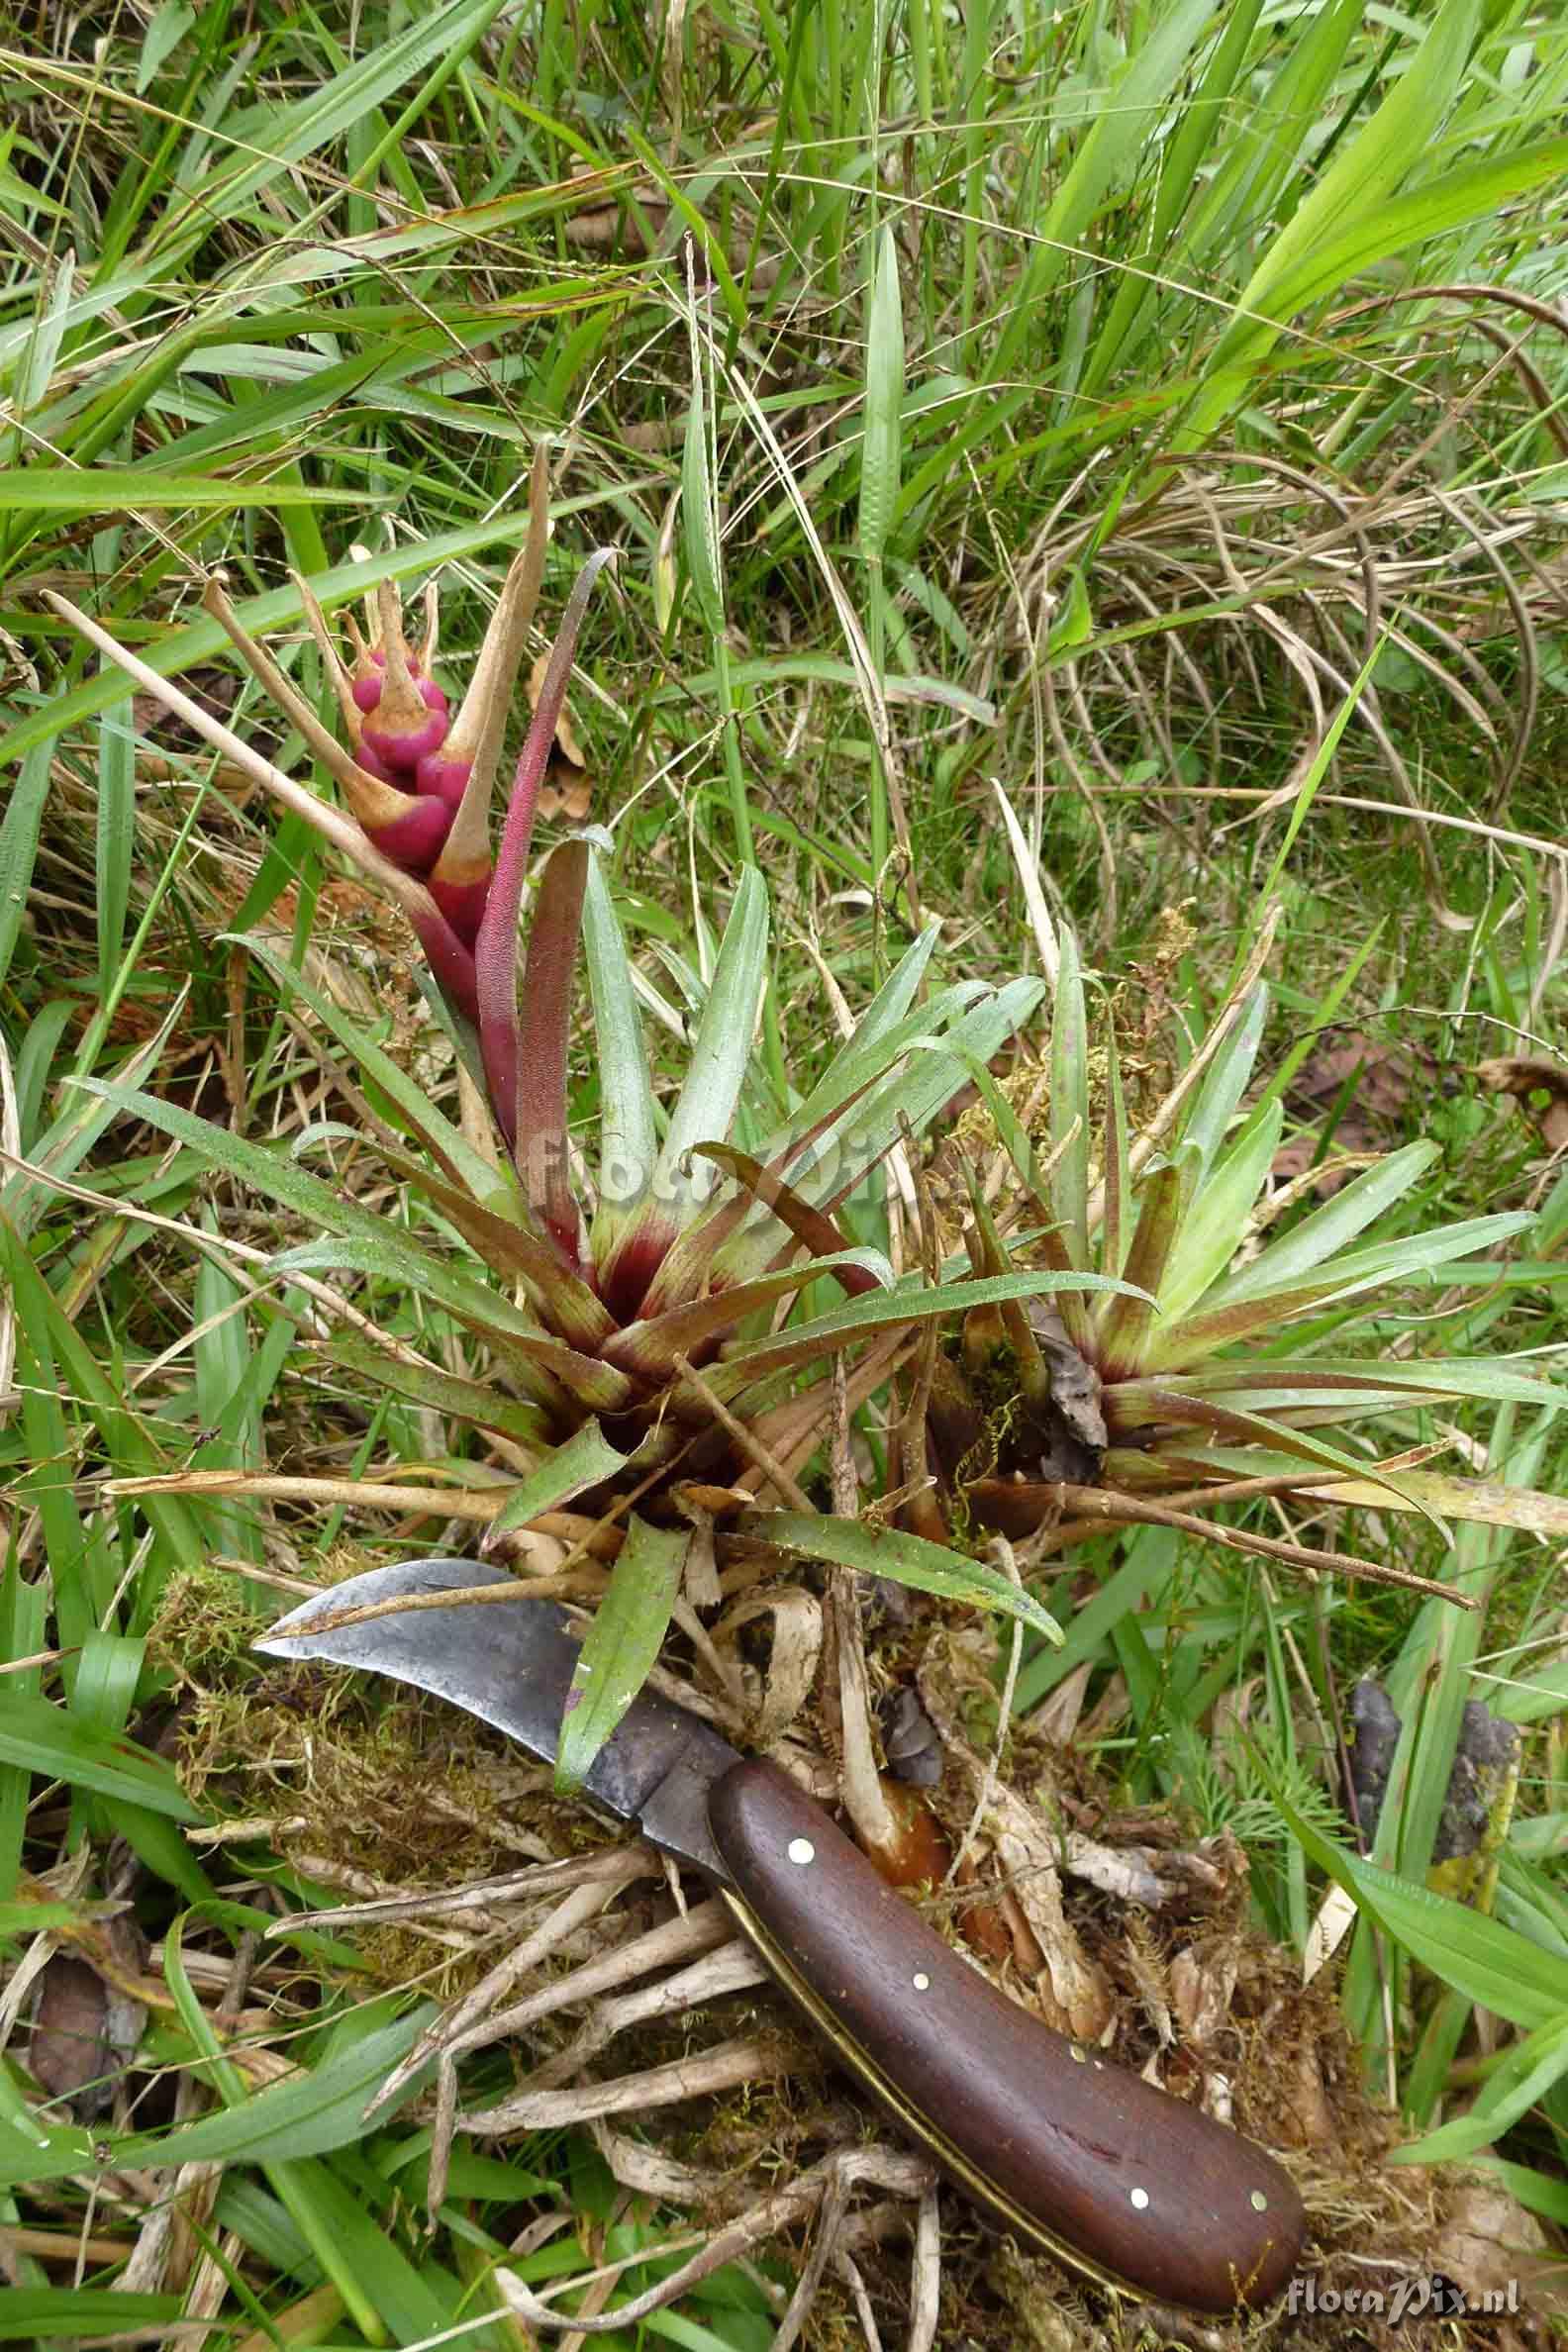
<point x="1295" y="1159"/>
<point x="619" y="223"/>
<point x="1489" y="2239"/>
<point x="1538" y="1086"/>
<point x="84" y="2034"/>
<point x="1380" y="1079"/>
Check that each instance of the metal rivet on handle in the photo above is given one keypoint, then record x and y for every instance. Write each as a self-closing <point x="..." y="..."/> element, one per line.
<point x="1140" y="2198"/>
<point x="802" y="1850"/>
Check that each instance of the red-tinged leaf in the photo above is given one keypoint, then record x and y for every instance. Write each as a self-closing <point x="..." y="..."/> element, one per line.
<point x="807" y="1224"/>
<point x="483" y="1403"/>
<point x="1133" y="1406"/>
<point x="1174" y="1346"/>
<point x="1169" y="1407"/>
<point x="541" y="1150"/>
<point x="703" y="1252"/>
<point x="495" y="952"/>
<point x="644" y="1244"/>
<point x="1162" y="1467"/>
<point x="563" y="1300"/>
<point x="484" y="1310"/>
<point x="691" y="1263"/>
<point x="598" y="1388"/>
<point x="676" y="1193"/>
<point x="648" y="1349"/>
<point x="1124" y="1324"/>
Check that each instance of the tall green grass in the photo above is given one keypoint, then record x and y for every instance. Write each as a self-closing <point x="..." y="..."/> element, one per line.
<point x="1071" y="399"/>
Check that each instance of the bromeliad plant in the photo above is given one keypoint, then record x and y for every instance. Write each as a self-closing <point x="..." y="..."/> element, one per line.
<point x="623" y="1331"/>
<point x="1207" y="1380"/>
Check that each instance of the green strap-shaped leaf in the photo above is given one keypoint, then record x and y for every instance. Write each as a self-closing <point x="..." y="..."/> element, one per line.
<point x="101" y="489"/>
<point x="1324" y="1378"/>
<point x="46" y="1739"/>
<point x="41" y="2314"/>
<point x="628" y="1136"/>
<point x="863" y="1060"/>
<point x="585" y="1460"/>
<point x="622" y="1643"/>
<point x="708" y="1098"/>
<point x="917" y="1092"/>
<point x="1328" y="1230"/>
<point x="1069" y="1105"/>
<point x="1474" y="1953"/>
<point x="697" y="508"/>
<point x="1215" y="1223"/>
<point x="908" y="1559"/>
<point x="673" y="1193"/>
<point x="1226" y="1081"/>
<point x="1524" y="2078"/>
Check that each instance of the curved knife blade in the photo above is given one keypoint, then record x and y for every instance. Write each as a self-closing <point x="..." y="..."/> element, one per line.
<point x="511" y="1664"/>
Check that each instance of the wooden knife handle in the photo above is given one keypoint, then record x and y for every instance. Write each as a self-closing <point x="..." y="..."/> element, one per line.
<point x="1070" y="2153"/>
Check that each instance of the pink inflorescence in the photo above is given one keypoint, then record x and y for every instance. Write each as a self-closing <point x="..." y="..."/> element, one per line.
<point x="399" y="721"/>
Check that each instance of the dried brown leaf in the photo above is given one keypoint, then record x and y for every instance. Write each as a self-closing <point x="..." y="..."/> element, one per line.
<point x="85" y="2035"/>
<point x="1538" y="1086"/>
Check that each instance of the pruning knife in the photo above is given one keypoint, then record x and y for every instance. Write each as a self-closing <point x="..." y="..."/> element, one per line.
<point x="1074" y="2156"/>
